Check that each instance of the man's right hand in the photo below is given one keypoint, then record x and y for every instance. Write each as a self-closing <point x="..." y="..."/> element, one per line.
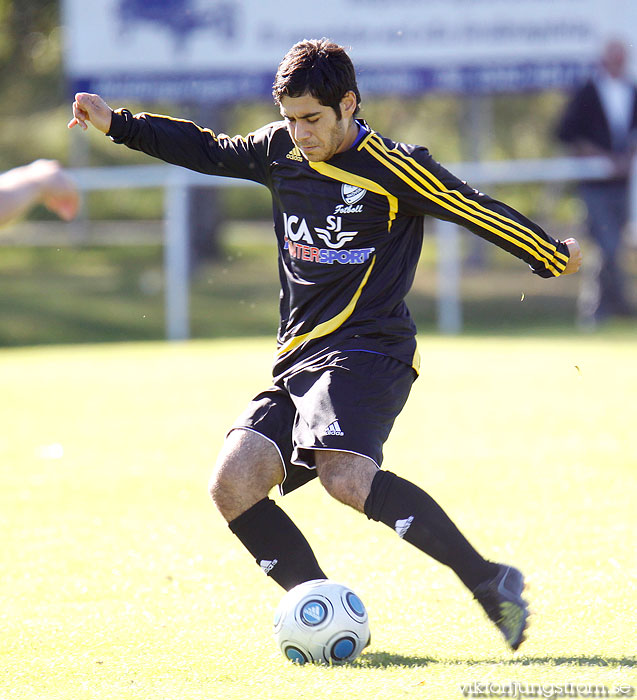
<point x="93" y="109"/>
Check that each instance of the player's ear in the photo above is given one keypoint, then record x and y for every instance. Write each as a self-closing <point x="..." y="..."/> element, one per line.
<point x="348" y="104"/>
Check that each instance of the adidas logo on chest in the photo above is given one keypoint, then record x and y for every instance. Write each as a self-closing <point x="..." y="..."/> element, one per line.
<point x="295" y="154"/>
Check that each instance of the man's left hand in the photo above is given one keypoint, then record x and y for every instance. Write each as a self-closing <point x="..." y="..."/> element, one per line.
<point x="574" y="257"/>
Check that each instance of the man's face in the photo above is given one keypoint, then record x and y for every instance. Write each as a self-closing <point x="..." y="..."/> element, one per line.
<point x="314" y="127"/>
<point x="614" y="59"/>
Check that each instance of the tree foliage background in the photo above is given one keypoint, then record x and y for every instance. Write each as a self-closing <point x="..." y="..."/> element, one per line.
<point x="31" y="80"/>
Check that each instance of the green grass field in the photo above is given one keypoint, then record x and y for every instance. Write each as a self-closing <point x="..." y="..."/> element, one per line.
<point x="119" y="580"/>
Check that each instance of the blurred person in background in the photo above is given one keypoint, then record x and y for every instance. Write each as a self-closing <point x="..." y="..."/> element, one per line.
<point x="40" y="182"/>
<point x="600" y="119"/>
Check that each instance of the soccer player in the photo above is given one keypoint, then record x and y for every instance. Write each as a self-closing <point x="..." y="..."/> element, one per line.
<point x="348" y="207"/>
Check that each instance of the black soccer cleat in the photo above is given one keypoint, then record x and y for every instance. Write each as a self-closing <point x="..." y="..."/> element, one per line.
<point x="501" y="598"/>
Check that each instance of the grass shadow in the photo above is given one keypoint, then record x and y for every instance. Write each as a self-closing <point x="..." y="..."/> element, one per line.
<point x="573" y="661"/>
<point x="382" y="659"/>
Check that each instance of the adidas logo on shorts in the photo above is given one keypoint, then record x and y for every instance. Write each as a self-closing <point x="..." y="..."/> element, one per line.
<point x="334" y="429"/>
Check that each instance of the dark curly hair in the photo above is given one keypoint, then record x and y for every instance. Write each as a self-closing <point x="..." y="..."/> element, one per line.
<point x="318" y="67"/>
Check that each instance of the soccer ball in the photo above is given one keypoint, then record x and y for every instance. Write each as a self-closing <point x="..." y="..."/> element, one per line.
<point x="321" y="621"/>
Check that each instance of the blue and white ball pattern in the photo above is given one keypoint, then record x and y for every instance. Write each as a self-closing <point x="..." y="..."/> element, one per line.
<point x="321" y="621"/>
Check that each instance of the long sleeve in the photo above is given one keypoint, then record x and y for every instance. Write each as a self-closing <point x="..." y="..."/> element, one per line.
<point x="182" y="142"/>
<point x="423" y="187"/>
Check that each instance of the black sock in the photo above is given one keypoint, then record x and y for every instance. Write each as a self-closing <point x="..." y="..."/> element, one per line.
<point x="278" y="545"/>
<point x="419" y="520"/>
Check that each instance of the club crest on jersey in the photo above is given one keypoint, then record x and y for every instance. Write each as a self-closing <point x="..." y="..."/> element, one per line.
<point x="350" y="194"/>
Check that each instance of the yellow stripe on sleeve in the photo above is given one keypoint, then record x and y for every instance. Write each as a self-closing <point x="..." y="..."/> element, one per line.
<point x="426" y="184"/>
<point x="488" y="213"/>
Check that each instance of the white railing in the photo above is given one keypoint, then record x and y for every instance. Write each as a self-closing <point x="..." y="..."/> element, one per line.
<point x="175" y="181"/>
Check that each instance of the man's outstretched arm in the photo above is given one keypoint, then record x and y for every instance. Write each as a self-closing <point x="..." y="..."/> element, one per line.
<point x="177" y="141"/>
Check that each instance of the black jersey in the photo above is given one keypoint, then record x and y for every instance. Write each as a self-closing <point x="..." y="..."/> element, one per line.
<point x="349" y="230"/>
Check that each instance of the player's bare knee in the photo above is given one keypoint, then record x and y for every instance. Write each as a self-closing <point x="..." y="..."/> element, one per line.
<point x="247" y="468"/>
<point x="230" y="472"/>
<point x="331" y="478"/>
<point x="217" y="485"/>
<point x="346" y="477"/>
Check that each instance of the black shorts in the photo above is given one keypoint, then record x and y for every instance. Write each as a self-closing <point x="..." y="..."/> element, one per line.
<point x="346" y="401"/>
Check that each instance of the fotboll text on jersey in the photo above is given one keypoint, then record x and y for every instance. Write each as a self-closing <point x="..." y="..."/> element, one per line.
<point x="328" y="256"/>
<point x="348" y="209"/>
